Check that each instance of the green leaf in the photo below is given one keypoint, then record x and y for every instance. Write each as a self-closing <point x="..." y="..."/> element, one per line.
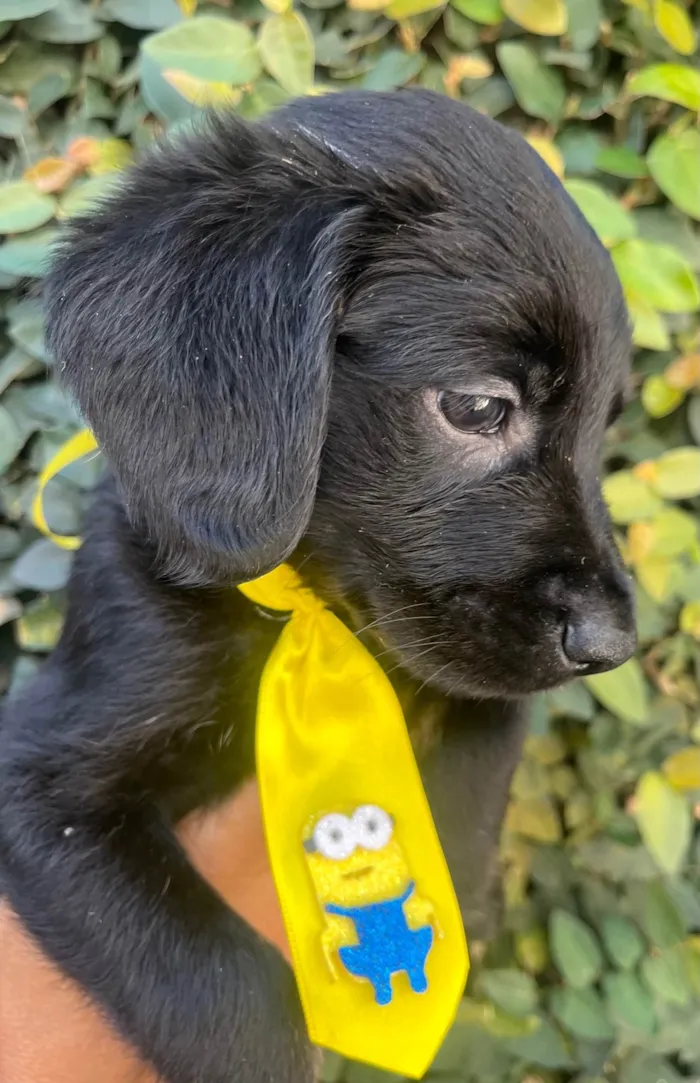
<point x="643" y="1067"/>
<point x="492" y="97"/>
<point x="665" y="975"/>
<point x="572" y="700"/>
<point x="585" y="18"/>
<point x="23" y="208"/>
<point x="28" y="255"/>
<point x="623" y="691"/>
<point x="27" y="328"/>
<point x="488" y="12"/>
<point x="13" y="119"/>
<point x="664" y="820"/>
<point x="662" y="921"/>
<point x="549" y="17"/>
<point x="39" y="628"/>
<point x="30" y="63"/>
<point x="575" y="949"/>
<point x="658" y="275"/>
<point x="69" y="22"/>
<point x="608" y="218"/>
<point x="12" y="439"/>
<point x="17" y="365"/>
<point x="142" y="14"/>
<point x="511" y="990"/>
<point x="582" y="1013"/>
<point x="406" y="9"/>
<point x="545" y="1048"/>
<point x="621" y="162"/>
<point x="629" y="1002"/>
<point x="394" y="69"/>
<point x="462" y="32"/>
<point x="207" y="47"/>
<point x="25" y="9"/>
<point x="42" y="566"/>
<point x="676" y="474"/>
<point x="677" y="83"/>
<point x="622" y="941"/>
<point x="287" y="51"/>
<point x="674" y="163"/>
<point x="539" y="90"/>
<point x="83" y="196"/>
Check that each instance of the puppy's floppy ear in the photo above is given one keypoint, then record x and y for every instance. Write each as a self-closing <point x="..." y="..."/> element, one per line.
<point x="193" y="317"/>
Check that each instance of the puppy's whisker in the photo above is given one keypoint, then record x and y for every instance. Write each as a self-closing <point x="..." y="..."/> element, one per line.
<point x="384" y="619"/>
<point x="432" y="677"/>
<point x="404" y="648"/>
<point x="414" y="657"/>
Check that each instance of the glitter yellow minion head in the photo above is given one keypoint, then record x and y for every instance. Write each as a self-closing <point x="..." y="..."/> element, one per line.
<point x="356" y="859"/>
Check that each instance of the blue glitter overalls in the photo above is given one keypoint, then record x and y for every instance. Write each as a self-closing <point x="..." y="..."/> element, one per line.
<point x="386" y="945"/>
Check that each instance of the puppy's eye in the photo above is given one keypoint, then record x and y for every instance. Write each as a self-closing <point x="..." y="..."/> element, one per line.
<point x="482" y="414"/>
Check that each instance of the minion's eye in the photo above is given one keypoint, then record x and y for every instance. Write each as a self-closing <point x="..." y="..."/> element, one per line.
<point x="373" y="827"/>
<point x="335" y="837"/>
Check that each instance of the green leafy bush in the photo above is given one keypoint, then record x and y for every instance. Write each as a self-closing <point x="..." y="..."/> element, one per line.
<point x="596" y="973"/>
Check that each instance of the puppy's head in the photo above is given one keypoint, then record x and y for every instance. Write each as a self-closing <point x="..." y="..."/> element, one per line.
<point x="373" y="331"/>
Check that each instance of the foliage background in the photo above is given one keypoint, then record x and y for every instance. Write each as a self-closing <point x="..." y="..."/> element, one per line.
<point x="596" y="973"/>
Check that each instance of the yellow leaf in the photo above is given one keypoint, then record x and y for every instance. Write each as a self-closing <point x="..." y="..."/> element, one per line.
<point x="646" y="471"/>
<point x="648" y="327"/>
<point x="673" y="23"/>
<point x="111" y="155"/>
<point x="683" y="374"/>
<point x="549" y="17"/>
<point x="83" y="150"/>
<point x="682" y="769"/>
<point x="664" y="821"/>
<point x="534" y="819"/>
<point x="51" y="174"/>
<point x="187" y="7"/>
<point x="405" y="9"/>
<point x="640" y="541"/>
<point x="690" y="620"/>
<point x="202" y="92"/>
<point x="658" y="397"/>
<point x="659" y="576"/>
<point x="367" y="5"/>
<point x="548" y="152"/>
<point x="470" y="66"/>
<point x="677" y="474"/>
<point x="278" y="6"/>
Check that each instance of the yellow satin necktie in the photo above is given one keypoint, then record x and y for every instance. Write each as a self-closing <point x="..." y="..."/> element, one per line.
<point x="374" y="927"/>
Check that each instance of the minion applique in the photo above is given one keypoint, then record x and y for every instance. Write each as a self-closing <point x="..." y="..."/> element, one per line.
<point x="376" y="924"/>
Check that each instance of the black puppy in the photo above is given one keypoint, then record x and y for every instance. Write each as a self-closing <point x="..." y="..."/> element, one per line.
<point x="371" y="335"/>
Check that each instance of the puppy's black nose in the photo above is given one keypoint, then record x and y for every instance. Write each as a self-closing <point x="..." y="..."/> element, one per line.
<point x="594" y="645"/>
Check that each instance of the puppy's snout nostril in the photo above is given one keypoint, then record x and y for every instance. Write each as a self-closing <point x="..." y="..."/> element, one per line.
<point x="592" y="646"/>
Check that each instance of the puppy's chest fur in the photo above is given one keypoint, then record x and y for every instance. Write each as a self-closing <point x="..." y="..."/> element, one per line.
<point x="218" y="753"/>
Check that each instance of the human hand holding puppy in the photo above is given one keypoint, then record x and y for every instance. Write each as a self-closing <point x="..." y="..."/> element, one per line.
<point x="51" y="1033"/>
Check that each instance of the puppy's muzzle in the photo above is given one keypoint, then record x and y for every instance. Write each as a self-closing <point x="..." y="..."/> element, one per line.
<point x="597" y="622"/>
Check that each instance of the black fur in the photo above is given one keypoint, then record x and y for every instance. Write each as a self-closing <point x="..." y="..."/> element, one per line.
<point x="256" y="327"/>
